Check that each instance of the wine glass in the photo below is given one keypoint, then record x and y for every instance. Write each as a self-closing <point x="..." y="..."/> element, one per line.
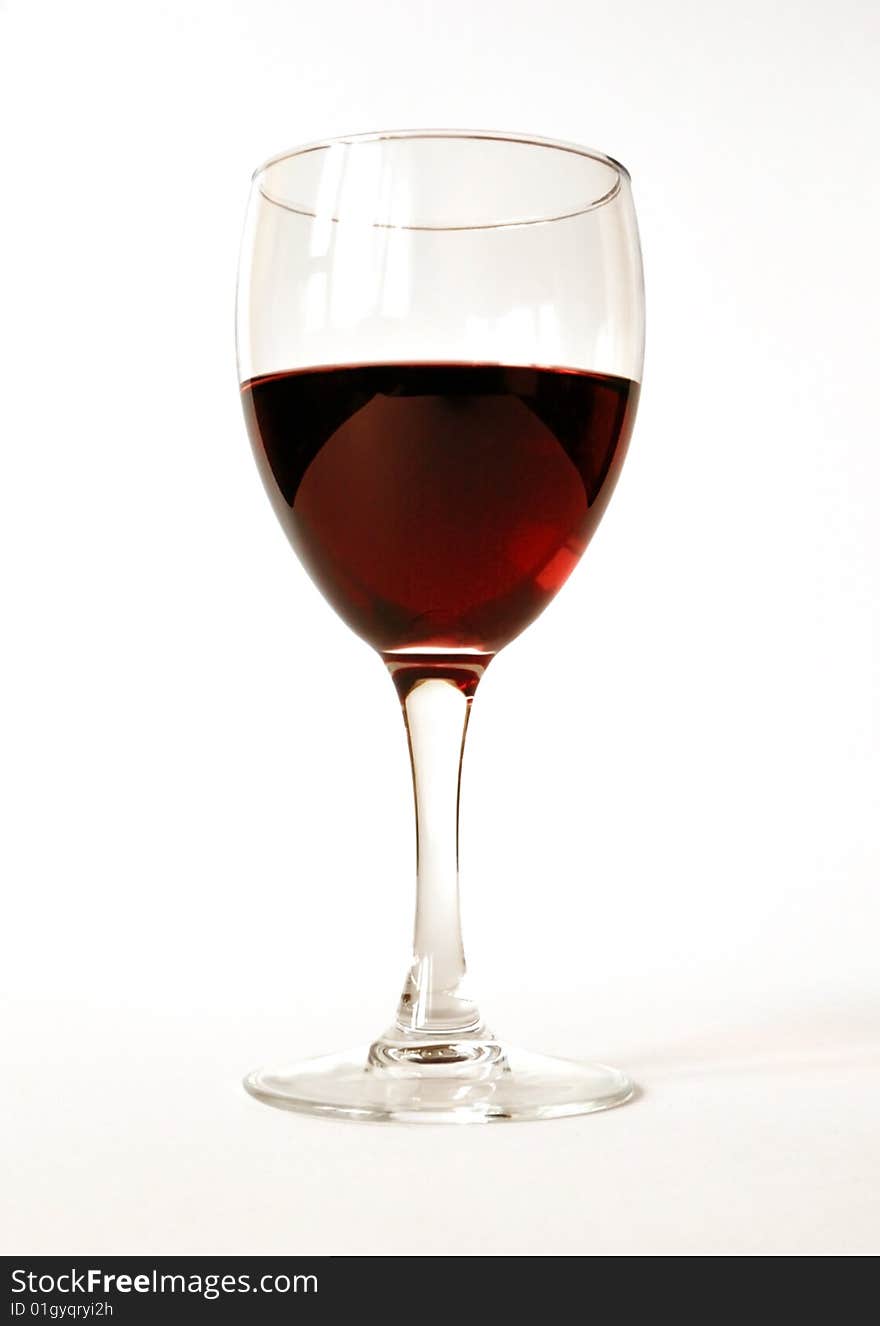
<point x="440" y="338"/>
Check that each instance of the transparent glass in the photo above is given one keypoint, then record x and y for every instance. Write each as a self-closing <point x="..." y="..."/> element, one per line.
<point x="440" y="339"/>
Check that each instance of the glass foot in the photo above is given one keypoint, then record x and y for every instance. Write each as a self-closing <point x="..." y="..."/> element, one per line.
<point x="442" y="1082"/>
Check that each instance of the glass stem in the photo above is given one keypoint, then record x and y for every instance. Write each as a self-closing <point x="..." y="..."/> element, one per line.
<point x="434" y="1002"/>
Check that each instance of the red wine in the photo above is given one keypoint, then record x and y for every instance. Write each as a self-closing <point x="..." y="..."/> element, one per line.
<point x="439" y="506"/>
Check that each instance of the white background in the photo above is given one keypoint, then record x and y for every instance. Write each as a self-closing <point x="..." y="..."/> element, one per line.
<point x="669" y="839"/>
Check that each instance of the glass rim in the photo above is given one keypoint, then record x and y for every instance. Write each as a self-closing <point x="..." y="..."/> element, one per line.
<point x="621" y="173"/>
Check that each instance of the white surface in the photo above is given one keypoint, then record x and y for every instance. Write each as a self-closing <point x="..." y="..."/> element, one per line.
<point x="205" y="791"/>
<point x="756" y="1135"/>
